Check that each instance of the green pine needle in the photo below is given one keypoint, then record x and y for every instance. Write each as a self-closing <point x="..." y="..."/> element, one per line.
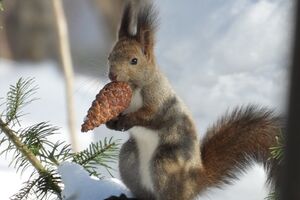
<point x="56" y="153"/>
<point x="18" y="96"/>
<point x="277" y="153"/>
<point x="26" y="191"/>
<point x="272" y="196"/>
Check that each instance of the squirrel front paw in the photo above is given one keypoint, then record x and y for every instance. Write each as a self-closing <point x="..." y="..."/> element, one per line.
<point x="121" y="123"/>
<point x="121" y="197"/>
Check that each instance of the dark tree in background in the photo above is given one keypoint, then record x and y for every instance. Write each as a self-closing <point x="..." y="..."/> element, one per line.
<point x="29" y="29"/>
<point x="291" y="174"/>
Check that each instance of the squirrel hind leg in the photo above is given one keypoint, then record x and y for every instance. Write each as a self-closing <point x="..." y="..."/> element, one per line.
<point x="129" y="169"/>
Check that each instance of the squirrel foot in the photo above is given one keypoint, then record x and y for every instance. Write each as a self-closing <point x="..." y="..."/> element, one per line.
<point x="121" y="197"/>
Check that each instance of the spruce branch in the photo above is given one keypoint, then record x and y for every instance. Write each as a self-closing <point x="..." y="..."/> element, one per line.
<point x="22" y="147"/>
<point x="29" y="156"/>
<point x="26" y="144"/>
<point x="31" y="147"/>
<point x="97" y="154"/>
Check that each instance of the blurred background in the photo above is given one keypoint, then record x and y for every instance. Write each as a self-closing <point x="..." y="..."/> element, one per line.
<point x="217" y="54"/>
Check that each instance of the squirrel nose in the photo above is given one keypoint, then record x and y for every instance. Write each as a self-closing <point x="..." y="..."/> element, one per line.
<point x="112" y="76"/>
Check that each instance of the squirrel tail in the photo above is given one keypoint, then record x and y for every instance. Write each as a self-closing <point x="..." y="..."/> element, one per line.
<point x="238" y="139"/>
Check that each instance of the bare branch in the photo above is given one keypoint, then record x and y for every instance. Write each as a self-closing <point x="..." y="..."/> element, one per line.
<point x="66" y="62"/>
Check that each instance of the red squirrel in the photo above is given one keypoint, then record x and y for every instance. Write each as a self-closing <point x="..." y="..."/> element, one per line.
<point x="163" y="158"/>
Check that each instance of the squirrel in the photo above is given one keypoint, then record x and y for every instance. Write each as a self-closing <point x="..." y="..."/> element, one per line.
<point x="163" y="158"/>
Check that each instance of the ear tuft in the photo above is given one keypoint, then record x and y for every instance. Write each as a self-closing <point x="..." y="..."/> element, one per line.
<point x="125" y="23"/>
<point x="146" y="27"/>
<point x="147" y="18"/>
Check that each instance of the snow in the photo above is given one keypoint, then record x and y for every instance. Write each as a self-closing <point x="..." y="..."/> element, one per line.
<point x="80" y="186"/>
<point x="216" y="54"/>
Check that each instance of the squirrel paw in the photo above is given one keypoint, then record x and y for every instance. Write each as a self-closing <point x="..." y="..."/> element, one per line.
<point x="121" y="123"/>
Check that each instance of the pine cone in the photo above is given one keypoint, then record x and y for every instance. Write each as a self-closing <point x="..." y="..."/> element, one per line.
<point x="113" y="99"/>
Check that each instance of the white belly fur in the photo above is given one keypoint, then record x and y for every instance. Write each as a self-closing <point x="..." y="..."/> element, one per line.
<point x="147" y="142"/>
<point x="136" y="102"/>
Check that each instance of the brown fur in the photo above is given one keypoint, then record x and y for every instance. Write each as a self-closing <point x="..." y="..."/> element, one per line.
<point x="180" y="169"/>
<point x="238" y="139"/>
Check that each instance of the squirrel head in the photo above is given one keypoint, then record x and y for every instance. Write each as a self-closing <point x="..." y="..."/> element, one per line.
<point x="132" y="58"/>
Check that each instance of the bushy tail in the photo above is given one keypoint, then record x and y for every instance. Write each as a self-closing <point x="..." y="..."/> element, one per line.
<point x="238" y="139"/>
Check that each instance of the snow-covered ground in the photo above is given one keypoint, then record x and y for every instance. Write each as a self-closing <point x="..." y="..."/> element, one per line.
<point x="216" y="54"/>
<point x="80" y="186"/>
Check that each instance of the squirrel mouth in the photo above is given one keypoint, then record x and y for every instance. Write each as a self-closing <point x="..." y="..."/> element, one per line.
<point x="112" y="76"/>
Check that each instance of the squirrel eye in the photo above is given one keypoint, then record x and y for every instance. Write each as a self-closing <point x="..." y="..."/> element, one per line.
<point x="134" y="61"/>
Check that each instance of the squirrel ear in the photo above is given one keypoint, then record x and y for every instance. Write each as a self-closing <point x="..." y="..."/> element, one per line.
<point x="125" y="23"/>
<point x="146" y="26"/>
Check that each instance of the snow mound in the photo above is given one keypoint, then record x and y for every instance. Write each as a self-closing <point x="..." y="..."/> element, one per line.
<point x="78" y="185"/>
